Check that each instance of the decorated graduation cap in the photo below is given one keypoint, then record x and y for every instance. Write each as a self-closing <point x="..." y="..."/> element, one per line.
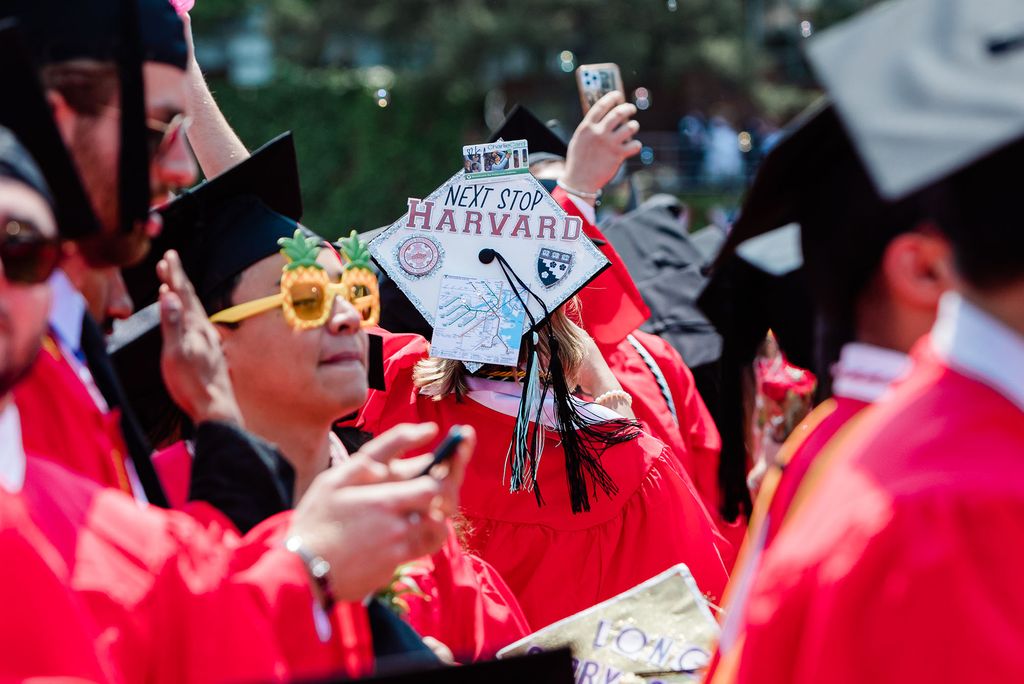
<point x="486" y="259"/>
<point x="124" y="32"/>
<point x="925" y="87"/>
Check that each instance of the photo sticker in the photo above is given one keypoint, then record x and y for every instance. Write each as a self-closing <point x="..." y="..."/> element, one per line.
<point x="495" y="160"/>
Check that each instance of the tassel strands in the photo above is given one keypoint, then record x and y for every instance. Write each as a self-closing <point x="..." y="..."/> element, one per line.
<point x="583" y="441"/>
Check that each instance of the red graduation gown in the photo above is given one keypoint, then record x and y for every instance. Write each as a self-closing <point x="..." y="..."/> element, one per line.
<point x="611" y="308"/>
<point x="61" y="421"/>
<point x="45" y="631"/>
<point x="896" y="566"/>
<point x="558" y="563"/>
<point x="177" y="601"/>
<point x="465" y="604"/>
<point x="610" y="304"/>
<point x="691" y="435"/>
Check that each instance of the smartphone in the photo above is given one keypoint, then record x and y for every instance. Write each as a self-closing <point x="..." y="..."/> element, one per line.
<point x="446" y="449"/>
<point x="597" y="80"/>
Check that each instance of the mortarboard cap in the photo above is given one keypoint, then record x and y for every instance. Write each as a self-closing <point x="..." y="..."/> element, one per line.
<point x="30" y="120"/>
<point x="486" y="264"/>
<point x="226" y="224"/>
<point x="102" y="30"/>
<point x="925" y="87"/>
<point x="508" y="234"/>
<point x="548" y="667"/>
<point x="543" y="142"/>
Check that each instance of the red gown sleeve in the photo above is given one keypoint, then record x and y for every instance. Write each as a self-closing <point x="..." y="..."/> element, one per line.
<point x="61" y="421"/>
<point x="611" y="307"/>
<point x="464" y="603"/>
<point x="45" y="631"/>
<point x="398" y="403"/>
<point x="179" y="601"/>
<point x="698" y="429"/>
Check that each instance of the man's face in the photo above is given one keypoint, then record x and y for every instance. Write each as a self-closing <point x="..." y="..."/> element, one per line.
<point x="23" y="308"/>
<point x="277" y="370"/>
<point x="94" y="144"/>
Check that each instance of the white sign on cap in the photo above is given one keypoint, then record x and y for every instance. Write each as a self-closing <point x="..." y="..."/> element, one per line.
<point x="434" y="254"/>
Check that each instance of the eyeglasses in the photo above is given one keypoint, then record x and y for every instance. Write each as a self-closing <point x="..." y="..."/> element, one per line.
<point x="160" y="135"/>
<point x="29" y="257"/>
<point x="307" y="295"/>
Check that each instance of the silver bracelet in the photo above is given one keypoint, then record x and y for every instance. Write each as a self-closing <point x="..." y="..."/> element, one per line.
<point x="579" y="193"/>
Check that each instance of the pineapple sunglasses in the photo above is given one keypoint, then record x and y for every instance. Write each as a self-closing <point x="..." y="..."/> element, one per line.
<point x="307" y="293"/>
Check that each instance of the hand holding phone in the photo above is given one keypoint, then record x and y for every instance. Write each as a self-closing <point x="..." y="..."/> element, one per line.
<point x="597" y="80"/>
<point x="446" y="449"/>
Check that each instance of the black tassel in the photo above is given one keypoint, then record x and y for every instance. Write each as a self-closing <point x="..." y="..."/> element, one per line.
<point x="583" y="441"/>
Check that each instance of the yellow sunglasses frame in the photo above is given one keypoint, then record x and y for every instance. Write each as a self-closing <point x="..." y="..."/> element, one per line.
<point x="245" y="310"/>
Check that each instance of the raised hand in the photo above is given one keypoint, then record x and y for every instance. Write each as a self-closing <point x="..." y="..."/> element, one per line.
<point x="365" y="520"/>
<point x="601" y="143"/>
<point x="193" y="365"/>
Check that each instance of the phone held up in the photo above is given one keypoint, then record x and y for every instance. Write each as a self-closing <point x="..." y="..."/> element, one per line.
<point x="446" y="449"/>
<point x="597" y="80"/>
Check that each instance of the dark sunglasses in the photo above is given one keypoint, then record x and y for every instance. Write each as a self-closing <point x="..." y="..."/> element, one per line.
<point x="28" y="256"/>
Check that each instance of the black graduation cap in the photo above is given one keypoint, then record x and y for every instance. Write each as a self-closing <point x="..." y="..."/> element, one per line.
<point x="128" y="33"/>
<point x="226" y="224"/>
<point x="28" y="116"/>
<point x="813" y="181"/>
<point x="549" y="667"/>
<point x="542" y="142"/>
<point x="219" y="228"/>
<point x="17" y="164"/>
<point x="101" y="30"/>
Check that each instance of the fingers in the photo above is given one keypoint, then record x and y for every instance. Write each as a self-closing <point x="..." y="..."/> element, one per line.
<point x="399" y="441"/>
<point x="170" y="318"/>
<point x="625" y="132"/>
<point x="632" y="148"/>
<point x="601" y="108"/>
<point x="409" y="496"/>
<point x="616" y="117"/>
<point x="463" y="453"/>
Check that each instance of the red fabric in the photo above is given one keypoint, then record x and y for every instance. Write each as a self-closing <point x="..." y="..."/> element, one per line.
<point x="45" y="630"/>
<point x="465" y="605"/>
<point x="176" y="601"/>
<point x="558" y="563"/>
<point x="897" y="566"/>
<point x="610" y="305"/>
<point x="693" y="436"/>
<point x="61" y="421"/>
<point x="799" y="462"/>
<point x="173" y="466"/>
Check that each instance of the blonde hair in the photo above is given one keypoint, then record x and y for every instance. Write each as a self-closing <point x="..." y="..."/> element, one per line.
<point x="440" y="377"/>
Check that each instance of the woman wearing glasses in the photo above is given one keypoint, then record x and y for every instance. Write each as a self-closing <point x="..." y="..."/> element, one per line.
<point x="284" y="304"/>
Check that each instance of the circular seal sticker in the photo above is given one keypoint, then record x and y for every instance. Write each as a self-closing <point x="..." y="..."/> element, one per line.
<point x="419" y="256"/>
